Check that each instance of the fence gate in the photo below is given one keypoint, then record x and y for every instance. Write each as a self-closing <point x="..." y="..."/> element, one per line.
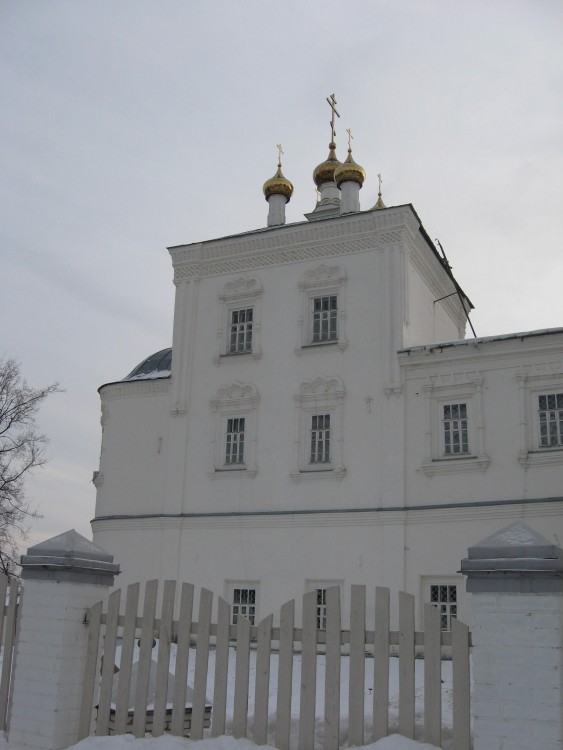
<point x="280" y="685"/>
<point x="10" y="596"/>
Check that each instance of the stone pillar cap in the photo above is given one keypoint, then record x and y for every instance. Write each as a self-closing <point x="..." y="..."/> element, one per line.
<point x="69" y="557"/>
<point x="516" y="559"/>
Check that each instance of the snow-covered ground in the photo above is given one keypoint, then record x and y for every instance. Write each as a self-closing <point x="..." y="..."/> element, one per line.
<point x="128" y="742"/>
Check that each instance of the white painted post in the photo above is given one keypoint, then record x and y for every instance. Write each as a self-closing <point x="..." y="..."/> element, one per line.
<point x="63" y="578"/>
<point x="516" y="579"/>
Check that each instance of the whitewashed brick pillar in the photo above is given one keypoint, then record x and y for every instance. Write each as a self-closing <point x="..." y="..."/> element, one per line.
<point x="63" y="578"/>
<point x="516" y="580"/>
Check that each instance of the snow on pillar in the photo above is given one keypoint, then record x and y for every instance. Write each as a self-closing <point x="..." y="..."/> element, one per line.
<point x="63" y="578"/>
<point x="516" y="580"/>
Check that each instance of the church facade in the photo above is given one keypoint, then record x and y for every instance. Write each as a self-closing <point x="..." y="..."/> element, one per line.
<point x="321" y="420"/>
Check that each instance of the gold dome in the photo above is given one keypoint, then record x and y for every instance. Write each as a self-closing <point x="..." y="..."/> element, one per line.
<point x="278" y="185"/>
<point x="324" y="172"/>
<point x="349" y="171"/>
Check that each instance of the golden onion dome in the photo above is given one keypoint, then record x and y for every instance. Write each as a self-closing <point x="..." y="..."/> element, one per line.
<point x="278" y="185"/>
<point x="324" y="172"/>
<point x="349" y="171"/>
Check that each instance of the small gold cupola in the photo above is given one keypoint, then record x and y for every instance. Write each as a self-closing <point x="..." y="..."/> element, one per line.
<point x="277" y="191"/>
<point x="349" y="178"/>
<point x="379" y="204"/>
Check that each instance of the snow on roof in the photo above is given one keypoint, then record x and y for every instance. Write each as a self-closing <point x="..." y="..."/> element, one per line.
<point x="481" y="340"/>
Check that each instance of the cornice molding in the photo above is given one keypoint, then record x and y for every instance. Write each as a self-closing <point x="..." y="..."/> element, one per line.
<point x="350" y="234"/>
<point x="135" y="388"/>
<point x="338" y="519"/>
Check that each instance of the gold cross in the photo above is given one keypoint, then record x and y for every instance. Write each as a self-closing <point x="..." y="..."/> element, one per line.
<point x="332" y="104"/>
<point x="350" y="136"/>
<point x="280" y="152"/>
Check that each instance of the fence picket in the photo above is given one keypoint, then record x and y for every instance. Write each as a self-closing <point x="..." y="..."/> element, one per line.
<point x="242" y="672"/>
<point x="90" y="671"/>
<point x="3" y="592"/>
<point x="163" y="664"/>
<point x="221" y="669"/>
<point x="9" y="644"/>
<point x="285" y="672"/>
<point x="432" y="676"/>
<point x="406" y="665"/>
<point x="357" y="665"/>
<point x="108" y="663"/>
<point x="308" y="672"/>
<point x="201" y="664"/>
<point x="332" y="669"/>
<point x="127" y="645"/>
<point x="145" y="658"/>
<point x="461" y="686"/>
<point x="381" y="665"/>
<point x="262" y="685"/>
<point x="181" y="632"/>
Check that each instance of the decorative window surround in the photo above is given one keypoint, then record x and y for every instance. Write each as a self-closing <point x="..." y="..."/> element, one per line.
<point x="470" y="393"/>
<point x="318" y="283"/>
<point x="242" y="294"/>
<point x="231" y="403"/>
<point x="531" y="387"/>
<point x="318" y="397"/>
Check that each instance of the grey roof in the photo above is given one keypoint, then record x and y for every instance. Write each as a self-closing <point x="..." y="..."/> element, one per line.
<point x="158" y="365"/>
<point x="482" y="340"/>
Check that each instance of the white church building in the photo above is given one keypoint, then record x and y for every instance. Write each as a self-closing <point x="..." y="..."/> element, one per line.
<point x="320" y="418"/>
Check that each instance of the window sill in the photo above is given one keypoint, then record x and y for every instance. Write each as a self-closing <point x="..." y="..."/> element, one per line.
<point x="455" y="465"/>
<point x="339" y="344"/>
<point x="542" y="457"/>
<point x="236" y="356"/>
<point x="227" y="472"/>
<point x="306" y="475"/>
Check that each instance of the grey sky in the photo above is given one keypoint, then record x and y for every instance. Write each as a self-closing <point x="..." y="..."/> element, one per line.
<point x="130" y="125"/>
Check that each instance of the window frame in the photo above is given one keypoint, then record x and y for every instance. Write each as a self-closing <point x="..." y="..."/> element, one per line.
<point x="242" y="294"/>
<point x="531" y="387"/>
<point x="317" y="283"/>
<point x="233" y="585"/>
<point x="318" y="397"/>
<point x="234" y="402"/>
<point x="437" y="396"/>
<point x="322" y="585"/>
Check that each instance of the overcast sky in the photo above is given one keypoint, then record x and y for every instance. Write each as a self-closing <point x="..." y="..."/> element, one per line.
<point x="131" y="125"/>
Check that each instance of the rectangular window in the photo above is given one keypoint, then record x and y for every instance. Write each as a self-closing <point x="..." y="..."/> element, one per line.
<point x="234" y="447"/>
<point x="240" y="339"/>
<point x="244" y="604"/>
<point x="456" y="439"/>
<point x="324" y="318"/>
<point x="321" y="609"/>
<point x="444" y="596"/>
<point x="551" y="420"/>
<point x="320" y="439"/>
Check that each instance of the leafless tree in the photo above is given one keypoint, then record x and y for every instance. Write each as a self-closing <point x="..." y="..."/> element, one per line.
<point x="21" y="449"/>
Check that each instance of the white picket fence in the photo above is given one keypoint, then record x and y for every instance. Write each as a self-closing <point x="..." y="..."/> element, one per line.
<point x="108" y="705"/>
<point x="10" y="596"/>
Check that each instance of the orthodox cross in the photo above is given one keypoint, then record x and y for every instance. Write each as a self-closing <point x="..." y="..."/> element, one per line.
<point x="280" y="152"/>
<point x="350" y="136"/>
<point x="380" y="181"/>
<point x="332" y="104"/>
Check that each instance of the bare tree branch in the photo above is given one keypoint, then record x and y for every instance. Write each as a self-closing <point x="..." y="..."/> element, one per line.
<point x="21" y="450"/>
